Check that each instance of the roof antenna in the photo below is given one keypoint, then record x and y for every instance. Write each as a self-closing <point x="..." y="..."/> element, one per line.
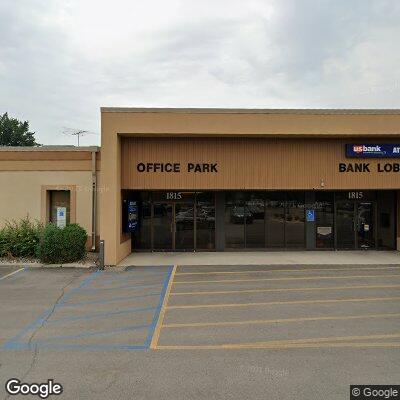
<point x="77" y="132"/>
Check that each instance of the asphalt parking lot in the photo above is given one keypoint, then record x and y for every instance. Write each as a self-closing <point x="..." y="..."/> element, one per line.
<point x="282" y="307"/>
<point x="202" y="332"/>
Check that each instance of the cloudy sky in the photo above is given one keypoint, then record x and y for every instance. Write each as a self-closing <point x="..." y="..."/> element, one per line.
<point x="61" y="60"/>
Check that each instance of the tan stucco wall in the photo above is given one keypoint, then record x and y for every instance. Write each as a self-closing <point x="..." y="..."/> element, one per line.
<point x="20" y="194"/>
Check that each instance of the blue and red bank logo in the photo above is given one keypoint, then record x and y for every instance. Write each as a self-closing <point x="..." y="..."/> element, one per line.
<point x="373" y="150"/>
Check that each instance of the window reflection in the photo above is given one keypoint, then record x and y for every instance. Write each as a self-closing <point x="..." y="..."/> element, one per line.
<point x="235" y="216"/>
<point x="255" y="220"/>
<point x="294" y="227"/>
<point x="324" y="220"/>
<point x="205" y="221"/>
<point x="275" y="219"/>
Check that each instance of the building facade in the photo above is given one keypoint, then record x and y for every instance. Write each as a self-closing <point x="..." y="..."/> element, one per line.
<point x="218" y="179"/>
<point x="37" y="182"/>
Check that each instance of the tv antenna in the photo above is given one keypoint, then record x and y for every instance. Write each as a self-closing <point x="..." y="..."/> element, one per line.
<point x="77" y="132"/>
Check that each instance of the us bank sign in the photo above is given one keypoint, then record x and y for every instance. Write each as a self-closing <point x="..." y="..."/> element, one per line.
<point x="373" y="150"/>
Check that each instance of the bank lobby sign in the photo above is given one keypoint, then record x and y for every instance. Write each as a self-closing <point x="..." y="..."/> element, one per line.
<point x="371" y="151"/>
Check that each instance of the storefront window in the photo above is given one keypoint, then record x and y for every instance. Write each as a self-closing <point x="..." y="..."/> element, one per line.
<point x="235" y="215"/>
<point x="294" y="226"/>
<point x="255" y="222"/>
<point x="324" y="213"/>
<point x="174" y="220"/>
<point x="275" y="219"/>
<point x="386" y="220"/>
<point x="141" y="239"/>
<point x="205" y="221"/>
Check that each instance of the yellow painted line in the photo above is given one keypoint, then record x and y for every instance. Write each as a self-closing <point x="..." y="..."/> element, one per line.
<point x="285" y="270"/>
<point x="307" y="278"/>
<point x="206" y="293"/>
<point x="11" y="274"/>
<point x="159" y="325"/>
<point x="282" y="343"/>
<point x="280" y="320"/>
<point x="289" y="346"/>
<point x="273" y="303"/>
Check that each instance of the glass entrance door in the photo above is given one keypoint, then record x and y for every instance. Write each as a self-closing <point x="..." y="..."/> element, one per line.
<point x="355" y="225"/>
<point x="173" y="226"/>
<point x="365" y="225"/>
<point x="184" y="226"/>
<point x="163" y="226"/>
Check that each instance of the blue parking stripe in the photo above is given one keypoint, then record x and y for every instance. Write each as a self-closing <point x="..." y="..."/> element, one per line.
<point x="89" y="334"/>
<point x="43" y="316"/>
<point x="123" y="287"/>
<point x="122" y="276"/>
<point x="126" y="298"/>
<point x="23" y="346"/>
<point x="99" y="315"/>
<point x="158" y="309"/>
<point x="84" y="283"/>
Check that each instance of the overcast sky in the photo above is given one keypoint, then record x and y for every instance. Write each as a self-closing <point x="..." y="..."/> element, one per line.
<point x="61" y="60"/>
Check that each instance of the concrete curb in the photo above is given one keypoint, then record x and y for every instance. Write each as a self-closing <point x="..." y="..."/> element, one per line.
<point x="40" y="265"/>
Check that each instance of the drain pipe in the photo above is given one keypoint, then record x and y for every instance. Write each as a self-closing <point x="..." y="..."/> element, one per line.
<point x="94" y="199"/>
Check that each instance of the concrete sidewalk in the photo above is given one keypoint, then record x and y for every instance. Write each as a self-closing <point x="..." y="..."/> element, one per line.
<point x="264" y="258"/>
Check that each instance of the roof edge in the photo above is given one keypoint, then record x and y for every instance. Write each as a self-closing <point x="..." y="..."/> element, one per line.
<point x="310" y="111"/>
<point x="49" y="148"/>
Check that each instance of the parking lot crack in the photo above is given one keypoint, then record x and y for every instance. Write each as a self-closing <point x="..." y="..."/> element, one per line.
<point x="40" y="326"/>
<point x="51" y="312"/>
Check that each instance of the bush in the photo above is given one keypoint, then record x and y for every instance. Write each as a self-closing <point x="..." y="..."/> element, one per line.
<point x="19" y="238"/>
<point x="75" y="238"/>
<point x="62" y="245"/>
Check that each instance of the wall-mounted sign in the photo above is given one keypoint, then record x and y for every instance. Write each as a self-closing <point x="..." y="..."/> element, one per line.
<point x="373" y="150"/>
<point x="310" y="214"/>
<point x="61" y="217"/>
<point x="131" y="215"/>
<point x="324" y="230"/>
<point x="177" y="167"/>
<point x="367" y="167"/>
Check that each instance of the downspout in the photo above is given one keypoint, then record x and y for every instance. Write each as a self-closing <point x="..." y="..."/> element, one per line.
<point x="94" y="199"/>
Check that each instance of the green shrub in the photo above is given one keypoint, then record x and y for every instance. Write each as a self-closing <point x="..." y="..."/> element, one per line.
<point x="19" y="238"/>
<point x="75" y="238"/>
<point x="62" y="245"/>
<point x="3" y="243"/>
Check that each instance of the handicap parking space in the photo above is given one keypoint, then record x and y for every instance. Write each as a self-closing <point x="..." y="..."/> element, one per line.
<point x="282" y="306"/>
<point x="99" y="310"/>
